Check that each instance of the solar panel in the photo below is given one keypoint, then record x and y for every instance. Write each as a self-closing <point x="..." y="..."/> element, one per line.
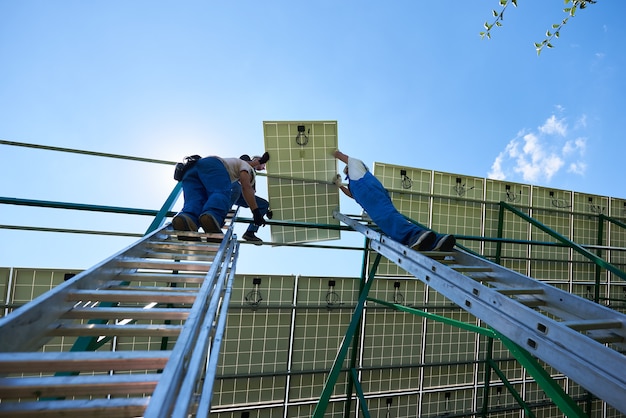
<point x="299" y="178"/>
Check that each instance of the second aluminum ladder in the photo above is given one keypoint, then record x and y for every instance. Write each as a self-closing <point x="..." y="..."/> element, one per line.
<point x="576" y="336"/>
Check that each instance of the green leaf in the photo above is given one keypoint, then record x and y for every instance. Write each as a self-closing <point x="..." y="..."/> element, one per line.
<point x="499" y="24"/>
<point x="494" y="13"/>
<point x="486" y="25"/>
<point x="556" y="34"/>
<point x="555" y="25"/>
<point x="503" y="3"/>
<point x="514" y="3"/>
<point x="549" y="45"/>
<point x="548" y="34"/>
<point x="538" y="45"/>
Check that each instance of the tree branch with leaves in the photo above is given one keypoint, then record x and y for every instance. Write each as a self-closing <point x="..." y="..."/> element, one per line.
<point x="553" y="33"/>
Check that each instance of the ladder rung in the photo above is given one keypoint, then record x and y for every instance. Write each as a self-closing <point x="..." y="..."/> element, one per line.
<point x="584" y="325"/>
<point x="520" y="291"/>
<point x="469" y="269"/>
<point x="178" y="246"/>
<point x="161" y="277"/>
<point x="140" y="263"/>
<point x="196" y="236"/>
<point x="207" y="258"/>
<point x="132" y="296"/>
<point x="532" y="303"/>
<point x="124" y="313"/>
<point x="608" y="339"/>
<point x="82" y="360"/>
<point x="438" y="255"/>
<point x="481" y="277"/>
<point x="159" y="289"/>
<point x="60" y="386"/>
<point x="127" y="330"/>
<point x="109" y="408"/>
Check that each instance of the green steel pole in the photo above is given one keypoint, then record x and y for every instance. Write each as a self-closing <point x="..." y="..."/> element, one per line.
<point x="500" y="233"/>
<point x="322" y="404"/>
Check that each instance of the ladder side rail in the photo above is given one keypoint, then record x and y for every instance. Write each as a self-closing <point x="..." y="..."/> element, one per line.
<point x="40" y="313"/>
<point x="552" y="344"/>
<point x="165" y="395"/>
<point x="606" y="379"/>
<point x="206" y="394"/>
<point x="115" y="407"/>
<point x="203" y="343"/>
<point x="567" y="306"/>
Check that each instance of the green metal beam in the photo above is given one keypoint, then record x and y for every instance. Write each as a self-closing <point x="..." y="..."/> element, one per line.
<point x="359" y="391"/>
<point x="551" y="388"/>
<point x="352" y="378"/>
<point x="322" y="404"/>
<point x="613" y="220"/>
<point x="569" y="243"/>
<point x="543" y="379"/>
<point x="169" y="203"/>
<point x="520" y="401"/>
<point x="487" y="379"/>
<point x="598" y="270"/>
<point x="84" y="152"/>
<point x="76" y="206"/>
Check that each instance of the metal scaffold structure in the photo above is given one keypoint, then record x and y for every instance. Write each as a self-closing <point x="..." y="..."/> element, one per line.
<point x="162" y="327"/>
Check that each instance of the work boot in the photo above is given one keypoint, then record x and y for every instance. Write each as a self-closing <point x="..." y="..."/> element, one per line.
<point x="249" y="236"/>
<point x="182" y="222"/>
<point x="209" y="224"/>
<point x="425" y="241"/>
<point x="445" y="243"/>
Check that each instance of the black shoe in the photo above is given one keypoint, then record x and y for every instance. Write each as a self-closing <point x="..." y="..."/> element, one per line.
<point x="209" y="224"/>
<point x="445" y="243"/>
<point x="249" y="236"/>
<point x="425" y="241"/>
<point x="182" y="222"/>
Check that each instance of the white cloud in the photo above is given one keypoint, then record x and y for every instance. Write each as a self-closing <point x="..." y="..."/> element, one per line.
<point x="552" y="164"/>
<point x="552" y="126"/>
<point x="539" y="156"/>
<point x="496" y="172"/>
<point x="577" y="168"/>
<point x="577" y="146"/>
<point x="581" y="122"/>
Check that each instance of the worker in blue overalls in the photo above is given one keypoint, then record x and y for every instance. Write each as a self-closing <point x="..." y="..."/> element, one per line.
<point x="369" y="192"/>
<point x="207" y="192"/>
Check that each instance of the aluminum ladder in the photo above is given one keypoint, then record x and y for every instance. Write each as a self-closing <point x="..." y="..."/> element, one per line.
<point x="144" y="327"/>
<point x="576" y="336"/>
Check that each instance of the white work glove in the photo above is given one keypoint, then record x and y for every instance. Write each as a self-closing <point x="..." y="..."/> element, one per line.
<point x="337" y="180"/>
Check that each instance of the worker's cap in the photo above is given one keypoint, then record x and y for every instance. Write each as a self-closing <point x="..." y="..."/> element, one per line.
<point x="247" y="158"/>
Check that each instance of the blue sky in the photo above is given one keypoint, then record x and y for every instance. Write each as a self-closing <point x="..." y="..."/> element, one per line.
<point x="409" y="83"/>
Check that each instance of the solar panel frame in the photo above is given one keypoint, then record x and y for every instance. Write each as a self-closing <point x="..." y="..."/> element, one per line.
<point x="299" y="178"/>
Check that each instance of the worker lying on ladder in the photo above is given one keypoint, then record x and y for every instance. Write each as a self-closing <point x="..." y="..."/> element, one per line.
<point x="368" y="192"/>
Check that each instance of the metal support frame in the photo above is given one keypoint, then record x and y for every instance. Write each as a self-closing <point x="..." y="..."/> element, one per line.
<point x="545" y="337"/>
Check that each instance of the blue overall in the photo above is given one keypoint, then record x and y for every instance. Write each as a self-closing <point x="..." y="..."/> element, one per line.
<point x="375" y="200"/>
<point x="206" y="189"/>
